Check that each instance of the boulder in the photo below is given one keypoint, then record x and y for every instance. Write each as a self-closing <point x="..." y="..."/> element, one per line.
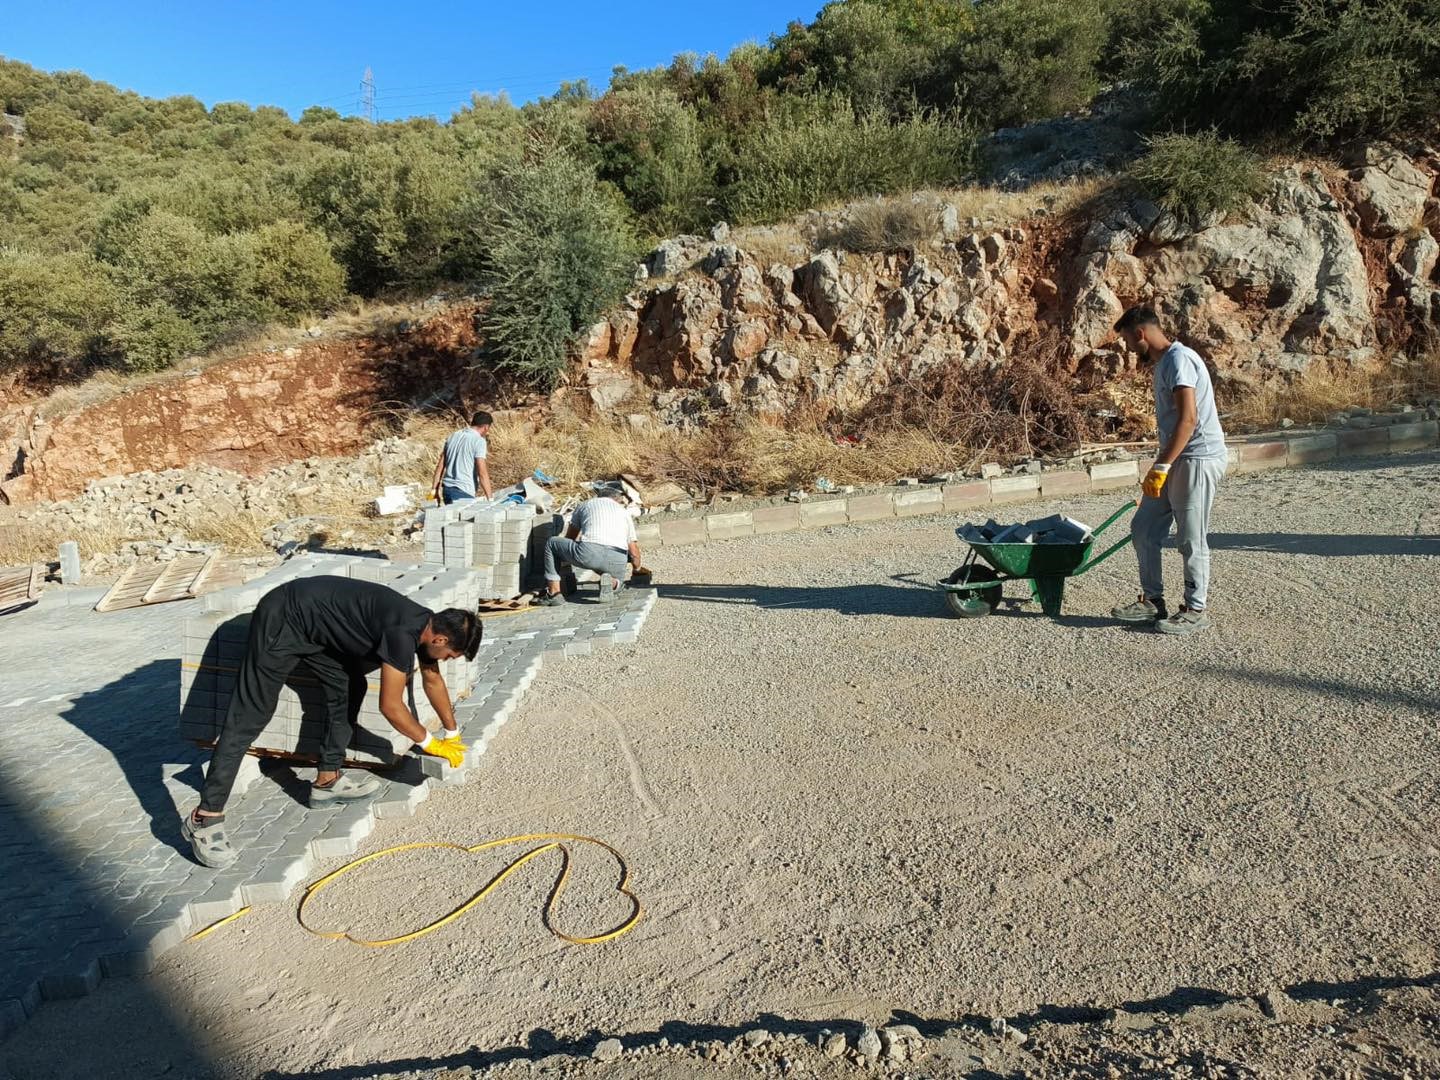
<point x="672" y="256"/>
<point x="1390" y="192"/>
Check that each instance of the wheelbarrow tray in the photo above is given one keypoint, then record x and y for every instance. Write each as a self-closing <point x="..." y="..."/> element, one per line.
<point x="1034" y="560"/>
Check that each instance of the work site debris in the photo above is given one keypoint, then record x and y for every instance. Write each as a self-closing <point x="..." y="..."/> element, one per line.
<point x="19" y="586"/>
<point x="398" y="499"/>
<point x="1055" y="529"/>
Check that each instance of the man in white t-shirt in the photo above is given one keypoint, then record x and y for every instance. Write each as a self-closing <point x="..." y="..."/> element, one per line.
<point x="462" y="472"/>
<point x="1180" y="487"/>
<point x="600" y="537"/>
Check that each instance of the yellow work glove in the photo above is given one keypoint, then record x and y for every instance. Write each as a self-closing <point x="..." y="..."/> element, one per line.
<point x="1154" y="481"/>
<point x="452" y="750"/>
<point x="453" y="737"/>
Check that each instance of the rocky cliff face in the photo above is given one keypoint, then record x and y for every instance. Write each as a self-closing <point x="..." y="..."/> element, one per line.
<point x="1328" y="267"/>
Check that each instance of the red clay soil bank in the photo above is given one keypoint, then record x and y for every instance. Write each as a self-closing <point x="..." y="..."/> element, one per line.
<point x="251" y="413"/>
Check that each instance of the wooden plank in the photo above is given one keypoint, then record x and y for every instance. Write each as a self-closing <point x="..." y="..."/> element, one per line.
<point x="127" y="580"/>
<point x="169" y="572"/>
<point x="197" y="584"/>
<point x="173" y="581"/>
<point x="19" y="586"/>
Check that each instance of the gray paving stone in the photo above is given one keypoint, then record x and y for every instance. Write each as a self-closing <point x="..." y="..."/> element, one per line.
<point x="89" y="888"/>
<point x="73" y="975"/>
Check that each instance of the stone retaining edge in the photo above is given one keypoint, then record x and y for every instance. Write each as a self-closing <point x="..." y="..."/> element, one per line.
<point x="1286" y="451"/>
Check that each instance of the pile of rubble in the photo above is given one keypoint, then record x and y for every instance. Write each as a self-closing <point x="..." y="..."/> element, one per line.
<point x="158" y="515"/>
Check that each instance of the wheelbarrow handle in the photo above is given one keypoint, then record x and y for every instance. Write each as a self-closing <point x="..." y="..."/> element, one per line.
<point x="1113" y="547"/>
<point x="1116" y="516"/>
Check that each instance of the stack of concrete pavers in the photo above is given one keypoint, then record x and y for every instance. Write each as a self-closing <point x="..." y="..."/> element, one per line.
<point x="489" y="537"/>
<point x="215" y="642"/>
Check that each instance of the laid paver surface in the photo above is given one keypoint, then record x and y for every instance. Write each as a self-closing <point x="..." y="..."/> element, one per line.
<point x="95" y="877"/>
<point x="842" y="805"/>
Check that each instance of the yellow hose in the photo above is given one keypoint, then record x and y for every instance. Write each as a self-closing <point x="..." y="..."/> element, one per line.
<point x="218" y="924"/>
<point x="551" y="841"/>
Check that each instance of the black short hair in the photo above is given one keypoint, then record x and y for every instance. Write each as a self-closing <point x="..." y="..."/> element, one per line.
<point x="463" y="629"/>
<point x="1136" y="317"/>
<point x="481" y="418"/>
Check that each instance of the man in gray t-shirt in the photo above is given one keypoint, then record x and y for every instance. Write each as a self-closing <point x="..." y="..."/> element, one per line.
<point x="462" y="471"/>
<point x="1180" y="487"/>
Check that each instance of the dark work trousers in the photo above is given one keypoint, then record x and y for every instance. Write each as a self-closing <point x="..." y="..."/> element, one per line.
<point x="273" y="651"/>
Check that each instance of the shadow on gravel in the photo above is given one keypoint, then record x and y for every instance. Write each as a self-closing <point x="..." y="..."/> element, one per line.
<point x="910" y="600"/>
<point x="542" y="1043"/>
<point x="1337" y="545"/>
<point x="1330" y="688"/>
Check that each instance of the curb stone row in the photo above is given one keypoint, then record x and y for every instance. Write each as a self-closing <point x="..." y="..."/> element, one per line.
<point x="1245" y="456"/>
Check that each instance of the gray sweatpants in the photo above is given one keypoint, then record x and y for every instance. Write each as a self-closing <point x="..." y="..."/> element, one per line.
<point x="597" y="557"/>
<point x="1185" y="502"/>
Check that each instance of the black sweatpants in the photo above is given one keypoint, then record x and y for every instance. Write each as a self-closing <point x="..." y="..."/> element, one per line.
<point x="272" y="652"/>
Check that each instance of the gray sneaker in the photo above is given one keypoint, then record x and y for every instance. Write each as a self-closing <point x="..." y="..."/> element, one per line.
<point x="209" y="843"/>
<point x="550" y="599"/>
<point x="609" y="588"/>
<point x="1183" y="621"/>
<point x="1141" y="611"/>
<point x="346" y="788"/>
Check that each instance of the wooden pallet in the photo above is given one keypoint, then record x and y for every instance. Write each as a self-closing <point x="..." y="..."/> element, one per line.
<point x="181" y="578"/>
<point x="505" y="607"/>
<point x="19" y="585"/>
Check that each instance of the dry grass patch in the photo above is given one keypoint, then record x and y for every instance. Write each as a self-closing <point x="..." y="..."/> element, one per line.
<point x="995" y="207"/>
<point x="770" y="244"/>
<point x="25" y="541"/>
<point x="883" y="226"/>
<point x="1319" y="392"/>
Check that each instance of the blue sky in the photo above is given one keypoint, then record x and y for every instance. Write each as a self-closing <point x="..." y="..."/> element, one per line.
<point x="426" y="57"/>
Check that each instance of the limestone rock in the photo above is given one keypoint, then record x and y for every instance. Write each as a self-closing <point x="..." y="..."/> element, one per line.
<point x="1390" y="191"/>
<point x="868" y="1044"/>
<point x="608" y="1050"/>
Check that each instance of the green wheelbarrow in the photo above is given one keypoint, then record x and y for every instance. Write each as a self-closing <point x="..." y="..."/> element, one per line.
<point x="977" y="587"/>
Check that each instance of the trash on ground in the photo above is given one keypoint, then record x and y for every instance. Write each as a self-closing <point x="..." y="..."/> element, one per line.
<point x="398" y="499"/>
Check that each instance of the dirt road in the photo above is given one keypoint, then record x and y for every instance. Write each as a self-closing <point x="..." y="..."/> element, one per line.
<point x="842" y="806"/>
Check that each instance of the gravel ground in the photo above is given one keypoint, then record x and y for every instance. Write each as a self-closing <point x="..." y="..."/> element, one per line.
<point x="842" y="806"/>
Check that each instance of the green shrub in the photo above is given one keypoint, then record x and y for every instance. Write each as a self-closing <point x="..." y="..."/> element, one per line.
<point x="885" y="54"/>
<point x="559" y="251"/>
<point x="818" y="150"/>
<point x="1198" y="175"/>
<point x="171" y="261"/>
<point x="295" y="270"/>
<point x="1325" y="70"/>
<point x="1030" y="59"/>
<point x="152" y="336"/>
<point x="650" y="146"/>
<point x="392" y="210"/>
<point x="54" y="311"/>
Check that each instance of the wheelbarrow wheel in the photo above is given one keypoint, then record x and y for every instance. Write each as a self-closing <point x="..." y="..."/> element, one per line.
<point x="973" y="603"/>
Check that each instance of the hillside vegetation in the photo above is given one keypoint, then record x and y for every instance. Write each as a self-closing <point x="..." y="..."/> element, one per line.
<point x="137" y="232"/>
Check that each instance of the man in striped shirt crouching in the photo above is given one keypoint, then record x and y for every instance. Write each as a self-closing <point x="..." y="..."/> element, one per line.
<point x="600" y="537"/>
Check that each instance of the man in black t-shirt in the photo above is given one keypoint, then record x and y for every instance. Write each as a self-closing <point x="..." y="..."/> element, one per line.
<point x="341" y="629"/>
